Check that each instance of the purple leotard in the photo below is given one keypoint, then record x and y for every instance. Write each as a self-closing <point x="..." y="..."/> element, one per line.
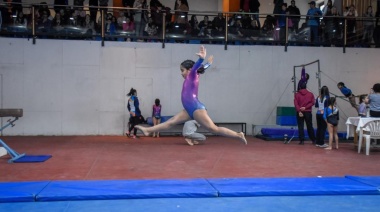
<point x="189" y="94"/>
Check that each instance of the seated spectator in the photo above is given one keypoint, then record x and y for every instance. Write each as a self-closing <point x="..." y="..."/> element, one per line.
<point x="88" y="25"/>
<point x="44" y="24"/>
<point x="21" y="19"/>
<point x="219" y="23"/>
<point x="57" y="22"/>
<point x="151" y="28"/>
<point x="128" y="25"/>
<point x="194" y="26"/>
<point x="205" y="27"/>
<point x="121" y="19"/>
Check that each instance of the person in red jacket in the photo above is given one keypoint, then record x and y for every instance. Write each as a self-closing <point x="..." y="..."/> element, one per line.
<point x="304" y="102"/>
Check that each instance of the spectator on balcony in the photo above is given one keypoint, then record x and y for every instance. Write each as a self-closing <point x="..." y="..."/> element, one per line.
<point x="103" y="3"/>
<point x="57" y="22"/>
<point x="16" y="7"/>
<point x="78" y="4"/>
<point x="205" y="27"/>
<point x="368" y="25"/>
<point x="281" y="21"/>
<point x="88" y="25"/>
<point x="121" y="19"/>
<point x="21" y="19"/>
<point x="139" y="17"/>
<point x="43" y="7"/>
<point x="295" y="15"/>
<point x="44" y="24"/>
<point x="129" y="25"/>
<point x="81" y="14"/>
<point x="327" y="8"/>
<point x="181" y="8"/>
<point x="93" y="9"/>
<point x="128" y="3"/>
<point x="151" y="28"/>
<point x="332" y="26"/>
<point x="251" y="6"/>
<point x="194" y="26"/>
<point x="312" y="20"/>
<point x="61" y="4"/>
<point x="376" y="32"/>
<point x="219" y="23"/>
<point x="73" y="20"/>
<point x="351" y="15"/>
<point x="277" y="7"/>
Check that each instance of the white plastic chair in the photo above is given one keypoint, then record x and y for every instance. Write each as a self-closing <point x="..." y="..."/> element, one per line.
<point x="371" y="130"/>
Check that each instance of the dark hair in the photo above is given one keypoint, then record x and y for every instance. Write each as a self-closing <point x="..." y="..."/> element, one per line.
<point x="157" y="102"/>
<point x="132" y="92"/>
<point x="361" y="98"/>
<point x="302" y="85"/>
<point x="324" y="92"/>
<point x="188" y="64"/>
<point x="341" y="84"/>
<point x="332" y="101"/>
<point x="307" y="76"/>
<point x="376" y="88"/>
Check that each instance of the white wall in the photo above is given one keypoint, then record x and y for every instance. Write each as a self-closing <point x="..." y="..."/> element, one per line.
<point x="78" y="87"/>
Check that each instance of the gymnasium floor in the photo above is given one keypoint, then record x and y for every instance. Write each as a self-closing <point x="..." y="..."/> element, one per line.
<point x="109" y="158"/>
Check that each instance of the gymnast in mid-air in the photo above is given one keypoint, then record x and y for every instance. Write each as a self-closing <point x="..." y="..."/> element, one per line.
<point x="193" y="108"/>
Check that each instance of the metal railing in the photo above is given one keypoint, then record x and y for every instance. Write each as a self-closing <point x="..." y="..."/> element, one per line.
<point x="227" y="29"/>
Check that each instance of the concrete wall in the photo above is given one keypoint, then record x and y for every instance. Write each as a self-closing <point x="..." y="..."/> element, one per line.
<point x="79" y="88"/>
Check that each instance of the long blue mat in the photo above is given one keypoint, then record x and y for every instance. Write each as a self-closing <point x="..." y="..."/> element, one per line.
<point x="232" y="187"/>
<point x="21" y="191"/>
<point x="125" y="189"/>
<point x="190" y="188"/>
<point x="369" y="180"/>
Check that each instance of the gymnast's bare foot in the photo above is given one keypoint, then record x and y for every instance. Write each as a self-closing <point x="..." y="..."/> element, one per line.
<point x="189" y="141"/>
<point x="142" y="129"/>
<point x="242" y="138"/>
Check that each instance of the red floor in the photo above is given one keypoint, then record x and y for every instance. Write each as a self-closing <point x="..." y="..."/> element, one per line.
<point x="117" y="157"/>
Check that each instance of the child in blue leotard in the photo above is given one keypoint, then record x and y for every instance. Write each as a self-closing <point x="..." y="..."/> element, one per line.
<point x="193" y="108"/>
<point x="348" y="93"/>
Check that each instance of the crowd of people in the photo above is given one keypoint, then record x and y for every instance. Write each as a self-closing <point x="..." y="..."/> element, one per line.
<point x="327" y="112"/>
<point x="144" y="18"/>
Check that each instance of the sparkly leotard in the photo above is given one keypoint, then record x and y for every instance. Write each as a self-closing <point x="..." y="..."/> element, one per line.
<point x="189" y="94"/>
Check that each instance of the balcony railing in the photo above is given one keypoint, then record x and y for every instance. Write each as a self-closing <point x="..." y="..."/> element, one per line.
<point x="107" y="24"/>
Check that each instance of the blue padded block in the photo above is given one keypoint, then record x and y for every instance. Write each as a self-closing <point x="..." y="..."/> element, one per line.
<point x="125" y="189"/>
<point x="286" y="120"/>
<point x="368" y="180"/>
<point x="230" y="187"/>
<point x="21" y="191"/>
<point x="149" y="121"/>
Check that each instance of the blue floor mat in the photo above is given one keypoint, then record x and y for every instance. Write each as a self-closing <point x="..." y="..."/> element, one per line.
<point x="125" y="189"/>
<point x="32" y="159"/>
<point x="341" y="203"/>
<point x="290" y="187"/>
<point x="21" y="191"/>
<point x="368" y="180"/>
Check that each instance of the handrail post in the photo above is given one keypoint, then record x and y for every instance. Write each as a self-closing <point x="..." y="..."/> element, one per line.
<point x="226" y="33"/>
<point x="345" y="36"/>
<point x="103" y="26"/>
<point x="286" y="33"/>
<point x="163" y="29"/>
<point x="33" y="25"/>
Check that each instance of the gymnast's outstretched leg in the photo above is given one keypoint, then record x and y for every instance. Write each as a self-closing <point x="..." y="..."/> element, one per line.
<point x="204" y="120"/>
<point x="181" y="117"/>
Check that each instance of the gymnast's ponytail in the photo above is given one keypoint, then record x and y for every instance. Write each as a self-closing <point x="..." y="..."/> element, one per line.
<point x="132" y="92"/>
